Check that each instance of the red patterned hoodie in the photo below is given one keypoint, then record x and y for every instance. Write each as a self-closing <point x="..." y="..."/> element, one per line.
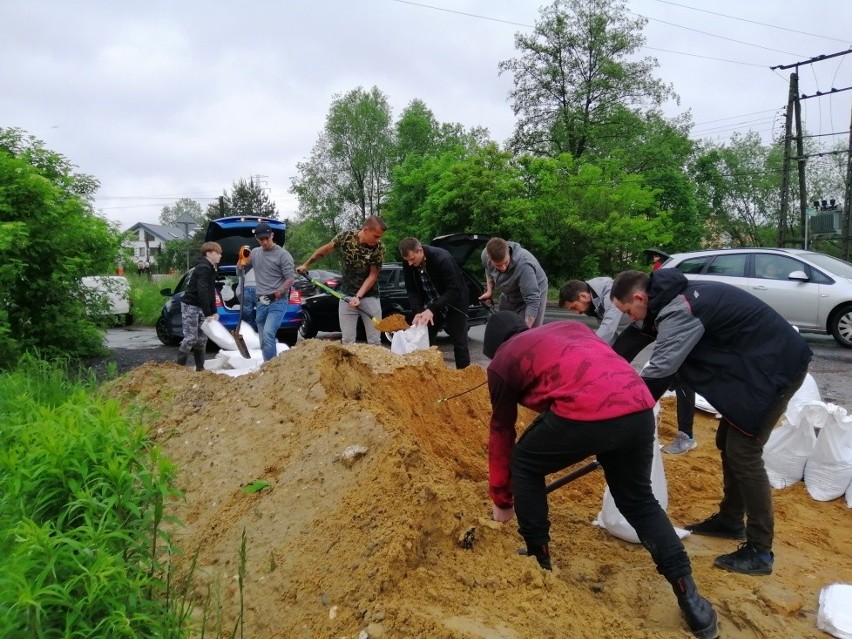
<point x="562" y="367"/>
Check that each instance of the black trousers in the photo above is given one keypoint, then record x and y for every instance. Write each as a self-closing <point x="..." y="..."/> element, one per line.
<point x="455" y="323"/>
<point x="624" y="447"/>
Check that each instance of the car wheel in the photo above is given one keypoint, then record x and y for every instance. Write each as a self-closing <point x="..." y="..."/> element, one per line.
<point x="163" y="333"/>
<point x="841" y="326"/>
<point x="288" y="336"/>
<point x="308" y="328"/>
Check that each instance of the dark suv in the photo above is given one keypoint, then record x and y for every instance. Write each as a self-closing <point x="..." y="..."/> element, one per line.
<point x="231" y="233"/>
<point x="320" y="311"/>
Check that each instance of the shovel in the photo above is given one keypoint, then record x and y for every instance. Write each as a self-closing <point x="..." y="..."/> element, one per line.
<point x="241" y="344"/>
<point x="567" y="479"/>
<point x="340" y="296"/>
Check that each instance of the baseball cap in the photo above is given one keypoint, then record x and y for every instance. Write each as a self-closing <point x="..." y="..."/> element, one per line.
<point x="501" y="326"/>
<point x="262" y="230"/>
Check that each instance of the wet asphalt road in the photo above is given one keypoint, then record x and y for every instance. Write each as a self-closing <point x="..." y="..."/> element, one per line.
<point x="830" y="367"/>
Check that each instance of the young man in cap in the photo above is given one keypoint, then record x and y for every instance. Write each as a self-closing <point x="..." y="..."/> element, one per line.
<point x="516" y="273"/>
<point x="437" y="293"/>
<point x="199" y="303"/>
<point x="748" y="362"/>
<point x="590" y="402"/>
<point x="361" y="257"/>
<point x="274" y="274"/>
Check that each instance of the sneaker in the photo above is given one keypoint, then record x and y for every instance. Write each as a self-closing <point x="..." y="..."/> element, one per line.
<point x="747" y="560"/>
<point x="715" y="526"/>
<point x="681" y="444"/>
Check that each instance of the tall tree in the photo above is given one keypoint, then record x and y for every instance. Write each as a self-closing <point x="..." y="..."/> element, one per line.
<point x="184" y="206"/>
<point x="49" y="238"/>
<point x="578" y="79"/>
<point x="348" y="174"/>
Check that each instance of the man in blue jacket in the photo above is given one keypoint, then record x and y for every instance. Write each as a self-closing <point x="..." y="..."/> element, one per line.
<point x="748" y="362"/>
<point x="437" y="293"/>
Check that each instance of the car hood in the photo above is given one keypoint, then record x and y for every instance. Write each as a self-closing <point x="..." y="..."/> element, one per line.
<point x="462" y="245"/>
<point x="235" y="231"/>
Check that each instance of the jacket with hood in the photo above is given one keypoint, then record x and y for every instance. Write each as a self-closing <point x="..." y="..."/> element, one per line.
<point x="728" y="345"/>
<point x="562" y="367"/>
<point x="201" y="288"/>
<point x="603" y="308"/>
<point x="446" y="277"/>
<point x="523" y="283"/>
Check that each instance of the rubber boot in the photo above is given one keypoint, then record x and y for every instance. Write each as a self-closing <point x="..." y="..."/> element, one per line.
<point x="198" y="355"/>
<point x="182" y="357"/>
<point x="542" y="554"/>
<point x="697" y="611"/>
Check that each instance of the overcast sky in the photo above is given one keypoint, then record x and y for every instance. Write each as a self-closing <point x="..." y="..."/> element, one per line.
<point x="171" y="99"/>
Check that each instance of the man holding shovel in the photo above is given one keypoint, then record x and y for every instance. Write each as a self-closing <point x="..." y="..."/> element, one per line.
<point x="273" y="274"/>
<point x="361" y="257"/>
<point x="590" y="402"/>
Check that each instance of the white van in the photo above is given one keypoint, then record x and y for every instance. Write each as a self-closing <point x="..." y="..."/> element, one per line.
<point x="110" y="295"/>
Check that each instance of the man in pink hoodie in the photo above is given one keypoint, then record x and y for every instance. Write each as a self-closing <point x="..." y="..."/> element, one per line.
<point x="590" y="402"/>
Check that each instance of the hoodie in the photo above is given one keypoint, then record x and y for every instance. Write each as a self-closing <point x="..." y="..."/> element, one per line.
<point x="728" y="345"/>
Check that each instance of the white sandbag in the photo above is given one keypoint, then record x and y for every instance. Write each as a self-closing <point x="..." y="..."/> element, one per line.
<point x="611" y="518"/>
<point x="828" y="472"/>
<point x="703" y="405"/>
<point x="411" y="339"/>
<point x="787" y="451"/>
<point x="250" y="336"/>
<point x="835" y="610"/>
<point x="219" y="334"/>
<point x="808" y="392"/>
<point x="849" y="496"/>
<point x="237" y="361"/>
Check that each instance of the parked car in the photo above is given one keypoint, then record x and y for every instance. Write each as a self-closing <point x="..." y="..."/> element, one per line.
<point x="231" y="233"/>
<point x="812" y="291"/>
<point x="320" y="311"/>
<point x="330" y="278"/>
<point x="108" y="295"/>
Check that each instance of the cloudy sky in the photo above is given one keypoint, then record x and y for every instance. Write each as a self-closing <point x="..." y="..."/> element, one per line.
<point x="161" y="100"/>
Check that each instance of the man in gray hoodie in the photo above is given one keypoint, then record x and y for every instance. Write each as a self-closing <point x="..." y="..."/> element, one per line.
<point x="517" y="275"/>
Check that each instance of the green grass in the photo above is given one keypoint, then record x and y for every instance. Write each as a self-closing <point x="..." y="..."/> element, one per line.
<point x="82" y="506"/>
<point x="146" y="297"/>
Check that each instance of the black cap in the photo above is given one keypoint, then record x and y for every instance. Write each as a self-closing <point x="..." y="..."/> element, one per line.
<point x="262" y="230"/>
<point x="501" y="326"/>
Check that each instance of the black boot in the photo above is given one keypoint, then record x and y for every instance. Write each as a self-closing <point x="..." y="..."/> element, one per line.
<point x="541" y="552"/>
<point x="182" y="357"/>
<point x="198" y="355"/>
<point x="698" y="612"/>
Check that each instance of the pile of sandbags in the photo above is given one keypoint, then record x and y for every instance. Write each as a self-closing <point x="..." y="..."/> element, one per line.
<point x="228" y="360"/>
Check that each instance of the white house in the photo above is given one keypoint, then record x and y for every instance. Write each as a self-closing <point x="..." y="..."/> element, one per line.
<point x="149" y="239"/>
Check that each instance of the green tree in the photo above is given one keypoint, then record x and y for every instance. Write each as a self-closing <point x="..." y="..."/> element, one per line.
<point x="184" y="206"/>
<point x="578" y="80"/>
<point x="50" y="239"/>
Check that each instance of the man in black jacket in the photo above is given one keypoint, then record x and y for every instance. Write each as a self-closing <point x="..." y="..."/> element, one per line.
<point x="748" y="362"/>
<point x="437" y="293"/>
<point x="199" y="303"/>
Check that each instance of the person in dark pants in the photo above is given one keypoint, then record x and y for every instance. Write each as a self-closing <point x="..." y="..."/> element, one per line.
<point x="590" y="402"/>
<point x="748" y="362"/>
<point x="437" y="293"/>
<point x="199" y="303"/>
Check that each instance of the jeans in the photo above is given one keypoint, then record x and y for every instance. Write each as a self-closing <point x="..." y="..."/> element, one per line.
<point x="624" y="447"/>
<point x="269" y="318"/>
<point x="746" y="488"/>
<point x="250" y="306"/>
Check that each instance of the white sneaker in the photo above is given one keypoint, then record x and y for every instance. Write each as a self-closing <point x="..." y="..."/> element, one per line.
<point x="681" y="444"/>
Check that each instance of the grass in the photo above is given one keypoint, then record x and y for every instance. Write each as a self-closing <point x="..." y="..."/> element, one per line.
<point x="146" y="297"/>
<point x="82" y="507"/>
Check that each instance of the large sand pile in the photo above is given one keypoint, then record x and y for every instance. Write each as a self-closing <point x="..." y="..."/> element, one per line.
<point x="344" y="544"/>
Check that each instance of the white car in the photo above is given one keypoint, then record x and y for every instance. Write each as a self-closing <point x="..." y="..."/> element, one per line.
<point x="108" y="295"/>
<point x="812" y="291"/>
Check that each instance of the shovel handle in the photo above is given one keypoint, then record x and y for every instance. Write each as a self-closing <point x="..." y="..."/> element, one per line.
<point x="566" y="479"/>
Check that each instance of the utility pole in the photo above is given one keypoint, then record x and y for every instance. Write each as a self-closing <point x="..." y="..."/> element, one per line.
<point x="792" y="99"/>
<point x="800" y="161"/>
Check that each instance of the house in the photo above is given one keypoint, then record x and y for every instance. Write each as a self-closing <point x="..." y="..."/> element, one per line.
<point x="148" y="240"/>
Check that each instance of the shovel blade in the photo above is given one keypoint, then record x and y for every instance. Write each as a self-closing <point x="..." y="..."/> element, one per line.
<point x="241" y="344"/>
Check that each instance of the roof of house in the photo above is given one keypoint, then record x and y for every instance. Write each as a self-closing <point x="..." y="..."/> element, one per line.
<point x="162" y="233"/>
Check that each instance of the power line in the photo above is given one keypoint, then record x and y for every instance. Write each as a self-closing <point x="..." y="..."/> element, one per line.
<point x="762" y="24"/>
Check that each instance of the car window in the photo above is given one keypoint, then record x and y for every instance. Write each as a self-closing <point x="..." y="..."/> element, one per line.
<point x="775" y="267"/>
<point x="839" y="267"/>
<point x="692" y="265"/>
<point x="387" y="278"/>
<point x="728" y="265"/>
